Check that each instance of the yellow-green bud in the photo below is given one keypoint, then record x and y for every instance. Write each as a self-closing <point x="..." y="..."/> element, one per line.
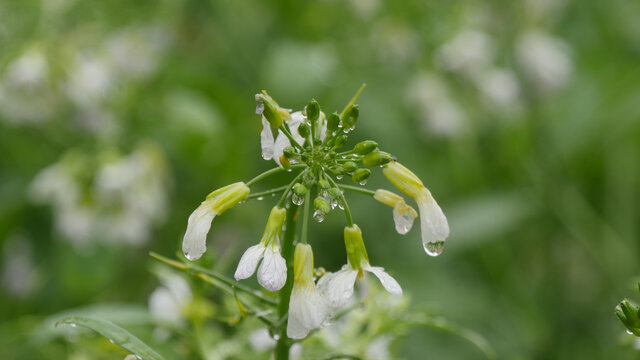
<point x="353" y="243"/>
<point x="324" y="184"/>
<point x="332" y="122"/>
<point x="299" y="189"/>
<point x="284" y="161"/>
<point x="360" y="176"/>
<point x="351" y="116"/>
<point x="335" y="193"/>
<point x="313" y="110"/>
<point x="304" y="130"/>
<point x="322" y="204"/>
<point x="271" y="110"/>
<point x="376" y="158"/>
<point x="350" y="166"/>
<point x="228" y="196"/>
<point x="365" y="147"/>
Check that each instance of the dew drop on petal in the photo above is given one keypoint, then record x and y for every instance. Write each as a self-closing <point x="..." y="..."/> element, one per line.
<point x="434" y="248"/>
<point x="363" y="182"/>
<point x="339" y="177"/>
<point x="318" y="216"/>
<point x="402" y="220"/>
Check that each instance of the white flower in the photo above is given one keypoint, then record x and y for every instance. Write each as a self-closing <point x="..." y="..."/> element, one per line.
<point x="545" y="59"/>
<point x="194" y="242"/>
<point x="273" y="149"/>
<point x="273" y="271"/>
<point x="307" y="309"/>
<point x="403" y="214"/>
<point x="167" y="302"/>
<point x="337" y="287"/>
<point x="435" y="228"/>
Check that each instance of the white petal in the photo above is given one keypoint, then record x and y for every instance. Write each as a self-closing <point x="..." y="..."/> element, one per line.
<point x="266" y="140"/>
<point x="273" y="271"/>
<point x="435" y="228"/>
<point x="249" y="262"/>
<point x="402" y="218"/>
<point x="194" y="242"/>
<point x="307" y="311"/>
<point x="390" y="284"/>
<point x="282" y="141"/>
<point x="337" y="288"/>
<point x="296" y="119"/>
<point x="163" y="305"/>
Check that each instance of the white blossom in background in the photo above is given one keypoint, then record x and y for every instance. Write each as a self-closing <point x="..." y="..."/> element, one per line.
<point x="545" y="59"/>
<point x="19" y="275"/>
<point x="125" y="202"/>
<point x="26" y="78"/>
<point x="468" y="52"/>
<point x="169" y="301"/>
<point x="365" y="8"/>
<point x="395" y="42"/>
<point x="499" y="86"/>
<point x="260" y="340"/>
<point x="440" y="115"/>
<point x="378" y="349"/>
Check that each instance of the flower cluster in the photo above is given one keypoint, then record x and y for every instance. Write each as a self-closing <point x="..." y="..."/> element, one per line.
<point x="306" y="143"/>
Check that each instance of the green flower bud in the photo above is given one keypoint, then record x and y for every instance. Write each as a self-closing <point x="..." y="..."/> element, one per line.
<point x="323" y="184"/>
<point x="299" y="189"/>
<point x="322" y="205"/>
<point x="376" y="158"/>
<point x="313" y="110"/>
<point x="340" y="141"/>
<point x="350" y="166"/>
<point x="270" y="110"/>
<point x="304" y="130"/>
<point x="628" y="314"/>
<point x="289" y="152"/>
<point x="360" y="176"/>
<point x="351" y="116"/>
<point x="335" y="193"/>
<point x="365" y="147"/>
<point x="332" y="122"/>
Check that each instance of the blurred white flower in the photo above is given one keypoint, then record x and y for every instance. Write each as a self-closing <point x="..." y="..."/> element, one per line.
<point x="395" y="42"/>
<point x="544" y="59"/>
<point x="19" y="275"/>
<point x="168" y="301"/>
<point x="499" y="86"/>
<point x="438" y="112"/>
<point x="468" y="52"/>
<point x="378" y="349"/>
<point x="260" y="340"/>
<point x="90" y="80"/>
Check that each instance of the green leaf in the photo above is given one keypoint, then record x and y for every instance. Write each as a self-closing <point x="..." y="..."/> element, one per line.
<point x="115" y="334"/>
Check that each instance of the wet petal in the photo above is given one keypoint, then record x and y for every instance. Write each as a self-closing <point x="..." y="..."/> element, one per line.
<point x="403" y="218"/>
<point x="435" y="228"/>
<point x="273" y="271"/>
<point x="194" y="242"/>
<point x="266" y="140"/>
<point x="337" y="288"/>
<point x="307" y="311"/>
<point x="390" y="284"/>
<point x="249" y="262"/>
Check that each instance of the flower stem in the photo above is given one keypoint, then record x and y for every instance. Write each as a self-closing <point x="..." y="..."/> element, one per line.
<point x="283" y="344"/>
<point x="305" y="219"/>
<point x="357" y="189"/>
<point x="347" y="212"/>
<point x="287" y="132"/>
<point x="267" y="192"/>
<point x="353" y="100"/>
<point x="288" y="189"/>
<point x="271" y="172"/>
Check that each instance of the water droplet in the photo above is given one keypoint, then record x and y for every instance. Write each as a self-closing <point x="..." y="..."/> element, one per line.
<point x="403" y="220"/>
<point x="259" y="105"/>
<point x="340" y="205"/>
<point x="273" y="195"/>
<point x="344" y="156"/>
<point x="73" y="325"/>
<point x="363" y="182"/>
<point x="339" y="177"/>
<point x="111" y="341"/>
<point x="138" y="357"/>
<point x="190" y="257"/>
<point x="288" y="170"/>
<point x="297" y="199"/>
<point x="629" y="332"/>
<point x="260" y="198"/>
<point x="334" y="203"/>
<point x="434" y="248"/>
<point x="276" y="337"/>
<point x="318" y="216"/>
<point x="348" y="130"/>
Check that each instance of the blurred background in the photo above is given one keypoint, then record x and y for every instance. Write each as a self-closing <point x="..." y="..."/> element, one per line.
<point x="522" y="117"/>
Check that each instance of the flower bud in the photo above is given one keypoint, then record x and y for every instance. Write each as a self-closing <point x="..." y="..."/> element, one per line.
<point x="351" y="116"/>
<point x="376" y="158"/>
<point x="322" y="205"/>
<point x="313" y="110"/>
<point x="360" y="176"/>
<point x="365" y="147"/>
<point x="349" y="166"/>
<point x="332" y="122"/>
<point x="627" y="311"/>
<point x="354" y="245"/>
<point x="299" y="189"/>
<point x="304" y="130"/>
<point x="289" y="152"/>
<point x="323" y="184"/>
<point x="335" y="193"/>
<point x="284" y="161"/>
<point x="270" y="109"/>
<point x="340" y="141"/>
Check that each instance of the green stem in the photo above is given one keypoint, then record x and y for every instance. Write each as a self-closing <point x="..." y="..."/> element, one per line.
<point x="283" y="344"/>
<point x="267" y="192"/>
<point x="347" y="212"/>
<point x="287" y="132"/>
<point x="305" y="219"/>
<point x="353" y="100"/>
<point x="271" y="172"/>
<point x="357" y="189"/>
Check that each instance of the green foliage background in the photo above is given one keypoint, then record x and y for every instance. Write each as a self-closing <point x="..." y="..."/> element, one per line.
<point x="542" y="196"/>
